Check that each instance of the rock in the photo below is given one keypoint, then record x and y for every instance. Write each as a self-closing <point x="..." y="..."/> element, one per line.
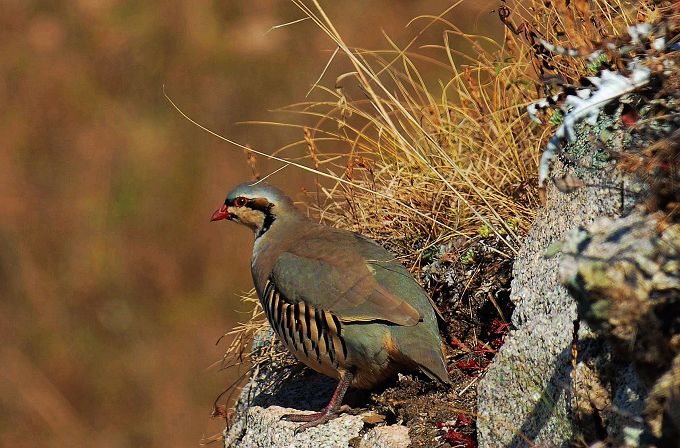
<point x="662" y="407"/>
<point x="265" y="429"/>
<point x="393" y="436"/>
<point x="526" y="396"/>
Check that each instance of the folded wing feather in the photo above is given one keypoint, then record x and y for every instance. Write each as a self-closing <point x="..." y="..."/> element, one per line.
<point x="342" y="282"/>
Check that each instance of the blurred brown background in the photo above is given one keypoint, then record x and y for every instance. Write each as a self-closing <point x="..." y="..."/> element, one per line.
<point x="114" y="287"/>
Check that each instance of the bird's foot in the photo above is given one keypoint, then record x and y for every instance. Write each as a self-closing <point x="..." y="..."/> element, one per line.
<point x="331" y="411"/>
<point x="302" y="417"/>
<point x="311" y="420"/>
<point x="315" y="419"/>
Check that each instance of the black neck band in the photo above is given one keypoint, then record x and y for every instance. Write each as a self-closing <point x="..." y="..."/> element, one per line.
<point x="269" y="219"/>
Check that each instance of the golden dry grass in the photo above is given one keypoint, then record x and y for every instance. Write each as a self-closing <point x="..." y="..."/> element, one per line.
<point x="418" y="166"/>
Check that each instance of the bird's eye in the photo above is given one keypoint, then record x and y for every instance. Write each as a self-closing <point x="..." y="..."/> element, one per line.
<point x="240" y="201"/>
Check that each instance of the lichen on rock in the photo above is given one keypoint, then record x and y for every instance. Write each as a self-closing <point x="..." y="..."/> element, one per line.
<point x="625" y="276"/>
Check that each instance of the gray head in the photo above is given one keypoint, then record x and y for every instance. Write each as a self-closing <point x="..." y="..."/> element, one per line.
<point x="256" y="206"/>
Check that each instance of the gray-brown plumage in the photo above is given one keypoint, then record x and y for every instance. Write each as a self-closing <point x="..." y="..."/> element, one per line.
<point x="341" y="303"/>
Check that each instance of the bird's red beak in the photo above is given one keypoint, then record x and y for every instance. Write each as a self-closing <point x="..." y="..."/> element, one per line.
<point x="222" y="213"/>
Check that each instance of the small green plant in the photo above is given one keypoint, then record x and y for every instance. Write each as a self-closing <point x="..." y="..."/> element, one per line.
<point x="556" y="118"/>
<point x="429" y="255"/>
<point x="468" y="257"/>
<point x="485" y="231"/>
<point x="513" y="224"/>
<point x="597" y="63"/>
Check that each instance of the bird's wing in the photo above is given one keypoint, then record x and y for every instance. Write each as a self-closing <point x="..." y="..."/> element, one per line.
<point x="354" y="281"/>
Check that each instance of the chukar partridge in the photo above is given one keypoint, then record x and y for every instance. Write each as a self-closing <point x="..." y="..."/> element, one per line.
<point x="341" y="303"/>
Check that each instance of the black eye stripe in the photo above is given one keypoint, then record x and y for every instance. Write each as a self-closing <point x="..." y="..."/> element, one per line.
<point x="259" y="204"/>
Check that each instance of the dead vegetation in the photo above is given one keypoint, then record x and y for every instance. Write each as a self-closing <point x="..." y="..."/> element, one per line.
<point x="445" y="176"/>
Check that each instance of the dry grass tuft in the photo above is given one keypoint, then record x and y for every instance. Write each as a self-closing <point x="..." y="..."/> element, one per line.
<point x="419" y="166"/>
<point x="416" y="166"/>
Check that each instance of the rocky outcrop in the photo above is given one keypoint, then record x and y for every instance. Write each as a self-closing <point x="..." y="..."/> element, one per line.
<point x="527" y="394"/>
<point x="593" y="356"/>
<point x="595" y="348"/>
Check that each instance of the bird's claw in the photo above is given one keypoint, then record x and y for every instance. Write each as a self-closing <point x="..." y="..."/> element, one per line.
<point x="310" y="420"/>
<point x="301" y="417"/>
<point x="318" y="421"/>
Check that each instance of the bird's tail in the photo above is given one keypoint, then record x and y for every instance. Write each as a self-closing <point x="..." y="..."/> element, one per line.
<point x="438" y="372"/>
<point x="425" y="350"/>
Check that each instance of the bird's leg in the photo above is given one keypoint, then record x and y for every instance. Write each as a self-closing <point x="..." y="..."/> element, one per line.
<point x="331" y="409"/>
